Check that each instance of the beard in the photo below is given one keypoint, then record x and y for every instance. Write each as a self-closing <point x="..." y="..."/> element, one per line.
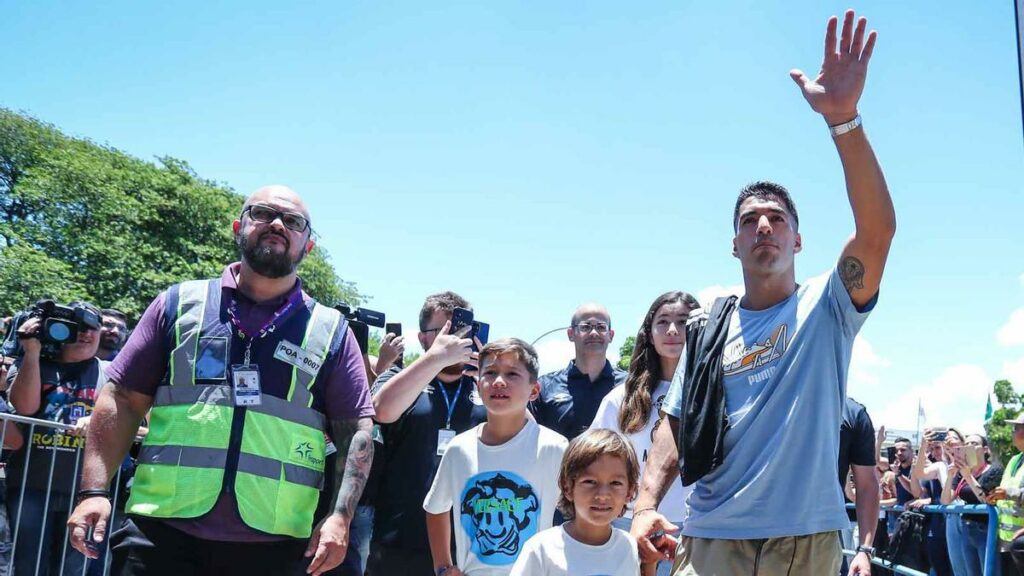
<point x="264" y="260"/>
<point x="110" y="342"/>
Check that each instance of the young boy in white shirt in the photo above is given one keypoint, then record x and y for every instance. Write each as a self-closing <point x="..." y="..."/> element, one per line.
<point x="496" y="478"/>
<point x="598" y="478"/>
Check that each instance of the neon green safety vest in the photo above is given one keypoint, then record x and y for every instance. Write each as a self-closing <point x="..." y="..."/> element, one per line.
<point x="280" y="461"/>
<point x="1011" y="513"/>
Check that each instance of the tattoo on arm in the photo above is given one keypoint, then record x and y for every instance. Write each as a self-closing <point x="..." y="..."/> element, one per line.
<point x="851" y="270"/>
<point x="353" y="469"/>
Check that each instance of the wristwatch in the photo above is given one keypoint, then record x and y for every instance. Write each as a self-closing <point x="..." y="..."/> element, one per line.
<point x="442" y="570"/>
<point x="869" y="550"/>
<point x="840" y="129"/>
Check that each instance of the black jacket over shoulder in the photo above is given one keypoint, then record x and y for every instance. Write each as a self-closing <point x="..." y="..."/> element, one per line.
<point x="703" y="419"/>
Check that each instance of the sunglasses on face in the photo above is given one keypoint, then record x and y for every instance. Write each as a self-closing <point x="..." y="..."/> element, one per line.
<point x="266" y="214"/>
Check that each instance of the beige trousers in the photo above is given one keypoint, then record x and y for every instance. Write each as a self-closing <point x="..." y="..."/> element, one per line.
<point x="811" y="555"/>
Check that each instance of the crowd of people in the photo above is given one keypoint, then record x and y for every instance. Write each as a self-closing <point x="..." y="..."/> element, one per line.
<point x="274" y="445"/>
<point x="894" y="483"/>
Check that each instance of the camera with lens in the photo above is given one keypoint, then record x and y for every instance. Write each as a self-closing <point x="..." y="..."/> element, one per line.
<point x="360" y="320"/>
<point x="60" y="325"/>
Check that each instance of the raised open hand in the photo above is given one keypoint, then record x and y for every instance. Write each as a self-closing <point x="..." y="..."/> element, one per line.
<point x="835" y="92"/>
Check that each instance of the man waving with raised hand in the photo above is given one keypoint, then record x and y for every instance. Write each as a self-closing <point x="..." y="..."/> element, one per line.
<point x="754" y="415"/>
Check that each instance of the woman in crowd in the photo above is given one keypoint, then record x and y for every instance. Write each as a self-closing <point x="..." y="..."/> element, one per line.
<point x="930" y="471"/>
<point x="971" y="478"/>
<point x="633" y="407"/>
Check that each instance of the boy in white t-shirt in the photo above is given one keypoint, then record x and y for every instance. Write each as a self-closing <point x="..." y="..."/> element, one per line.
<point x="598" y="478"/>
<point x="498" y="478"/>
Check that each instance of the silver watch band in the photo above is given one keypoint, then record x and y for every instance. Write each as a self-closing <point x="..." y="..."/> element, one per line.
<point x="840" y="129"/>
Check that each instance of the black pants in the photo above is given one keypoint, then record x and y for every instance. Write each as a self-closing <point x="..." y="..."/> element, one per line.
<point x="396" y="562"/>
<point x="1017" y="554"/>
<point x="144" y="547"/>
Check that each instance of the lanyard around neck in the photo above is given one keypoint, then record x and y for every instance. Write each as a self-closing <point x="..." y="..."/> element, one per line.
<point x="450" y="403"/>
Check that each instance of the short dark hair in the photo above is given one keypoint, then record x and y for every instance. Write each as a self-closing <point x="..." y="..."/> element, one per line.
<point x="440" y="302"/>
<point x="519" y="348"/>
<point x="116" y="314"/>
<point x="765" y="190"/>
<point x="902" y="439"/>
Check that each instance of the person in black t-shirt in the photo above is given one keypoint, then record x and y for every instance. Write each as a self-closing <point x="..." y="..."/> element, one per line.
<point x="569" y="398"/>
<point x="61" y="389"/>
<point x="857" y="450"/>
<point x="419" y="408"/>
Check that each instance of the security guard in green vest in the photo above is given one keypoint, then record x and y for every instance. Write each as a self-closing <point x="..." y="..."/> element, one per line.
<point x="1009" y="496"/>
<point x="247" y="380"/>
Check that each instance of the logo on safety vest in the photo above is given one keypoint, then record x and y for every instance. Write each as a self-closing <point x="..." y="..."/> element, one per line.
<point x="306" y="453"/>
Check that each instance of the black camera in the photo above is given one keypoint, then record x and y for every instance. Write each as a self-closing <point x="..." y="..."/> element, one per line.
<point x="360" y="320"/>
<point x="60" y="325"/>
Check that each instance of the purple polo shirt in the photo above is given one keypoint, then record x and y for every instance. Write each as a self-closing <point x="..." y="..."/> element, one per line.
<point x="142" y="363"/>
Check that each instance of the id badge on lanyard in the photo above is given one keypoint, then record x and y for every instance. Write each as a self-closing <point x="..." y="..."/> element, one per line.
<point x="444" y="438"/>
<point x="245" y="384"/>
<point x="245" y="377"/>
<point x="445" y="435"/>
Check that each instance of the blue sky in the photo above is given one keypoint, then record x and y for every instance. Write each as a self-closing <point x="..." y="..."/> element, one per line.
<point x="535" y="155"/>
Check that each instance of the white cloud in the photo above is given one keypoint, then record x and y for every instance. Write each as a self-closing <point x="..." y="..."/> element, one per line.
<point x="554" y="354"/>
<point x="707" y="295"/>
<point x="865" y="365"/>
<point x="1013" y="370"/>
<point x="956" y="397"/>
<point x="1012" y="333"/>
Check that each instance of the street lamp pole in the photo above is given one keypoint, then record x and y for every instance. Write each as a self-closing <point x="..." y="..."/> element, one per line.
<point x="537" y="339"/>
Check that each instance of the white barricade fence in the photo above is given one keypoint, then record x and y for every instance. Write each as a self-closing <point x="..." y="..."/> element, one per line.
<point x="35" y="539"/>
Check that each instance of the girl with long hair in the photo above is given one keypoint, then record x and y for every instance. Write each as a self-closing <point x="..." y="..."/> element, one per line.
<point x="633" y="407"/>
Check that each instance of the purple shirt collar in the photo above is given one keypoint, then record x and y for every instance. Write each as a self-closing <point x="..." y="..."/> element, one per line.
<point x="255" y="315"/>
<point x="227" y="280"/>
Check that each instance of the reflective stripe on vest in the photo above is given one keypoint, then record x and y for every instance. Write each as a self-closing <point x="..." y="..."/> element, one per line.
<point x="280" y="465"/>
<point x="317" y="340"/>
<point x="1011" y="514"/>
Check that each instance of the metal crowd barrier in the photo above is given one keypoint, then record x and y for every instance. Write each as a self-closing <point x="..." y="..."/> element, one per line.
<point x="58" y="537"/>
<point x="991" y="538"/>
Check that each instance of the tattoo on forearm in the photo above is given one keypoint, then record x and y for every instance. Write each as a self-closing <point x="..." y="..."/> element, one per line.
<point x="354" y="469"/>
<point x="851" y="270"/>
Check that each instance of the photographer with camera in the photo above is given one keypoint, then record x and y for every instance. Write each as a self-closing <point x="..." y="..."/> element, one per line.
<point x="420" y="409"/>
<point x="55" y="378"/>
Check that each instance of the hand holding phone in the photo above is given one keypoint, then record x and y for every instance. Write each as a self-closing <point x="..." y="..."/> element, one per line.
<point x="392" y="347"/>
<point x="973" y="456"/>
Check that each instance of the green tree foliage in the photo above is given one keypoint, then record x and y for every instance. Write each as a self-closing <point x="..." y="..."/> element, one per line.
<point x="80" y="220"/>
<point x="1000" y="434"/>
<point x="626" y="352"/>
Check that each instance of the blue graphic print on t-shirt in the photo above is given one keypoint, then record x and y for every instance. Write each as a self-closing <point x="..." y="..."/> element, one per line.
<point x="499" y="514"/>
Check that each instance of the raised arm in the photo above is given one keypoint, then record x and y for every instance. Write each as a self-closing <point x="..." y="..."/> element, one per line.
<point x="834" y="94"/>
<point x="395" y="396"/>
